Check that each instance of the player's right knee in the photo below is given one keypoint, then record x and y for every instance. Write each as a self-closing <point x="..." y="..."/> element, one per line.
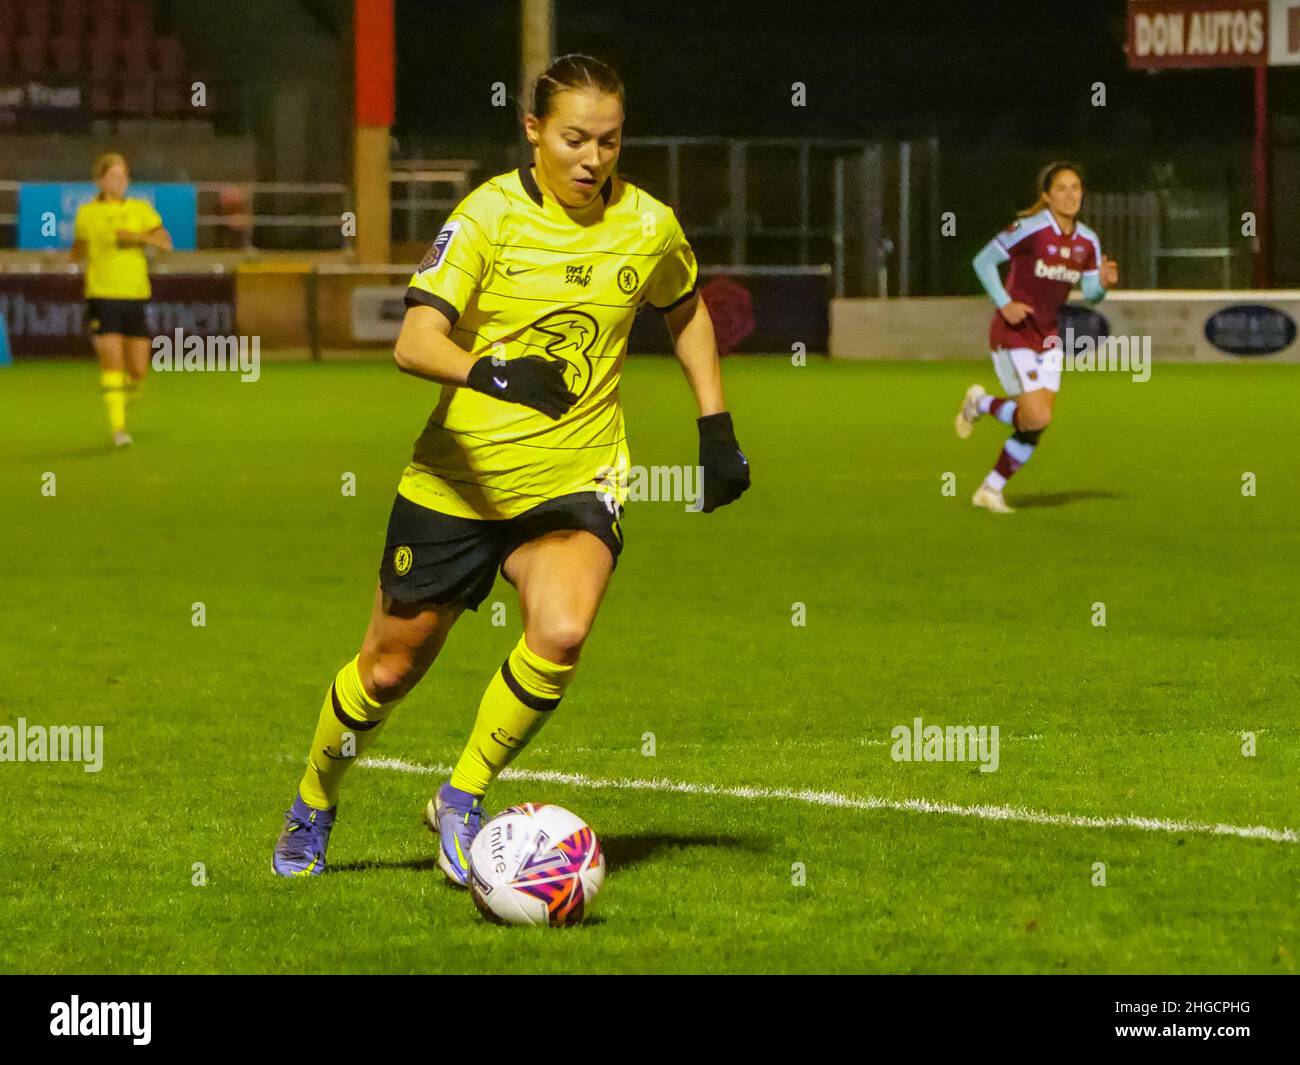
<point x="1032" y="421"/>
<point x="389" y="678"/>
<point x="558" y="638"/>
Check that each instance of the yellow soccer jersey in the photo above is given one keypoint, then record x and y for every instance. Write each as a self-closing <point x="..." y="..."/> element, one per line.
<point x="518" y="275"/>
<point x="114" y="272"/>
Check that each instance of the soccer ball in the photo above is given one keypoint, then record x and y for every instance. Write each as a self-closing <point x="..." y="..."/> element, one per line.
<point x="535" y="864"/>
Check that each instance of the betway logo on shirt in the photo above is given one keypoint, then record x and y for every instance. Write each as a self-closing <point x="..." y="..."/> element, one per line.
<point x="1056" y="272"/>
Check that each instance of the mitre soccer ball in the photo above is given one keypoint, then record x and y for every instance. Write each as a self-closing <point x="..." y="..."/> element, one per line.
<point x="535" y="864"/>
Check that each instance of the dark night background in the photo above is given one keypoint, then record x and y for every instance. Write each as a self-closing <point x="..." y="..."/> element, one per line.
<point x="984" y="94"/>
<point x="1004" y="86"/>
<point x="1009" y="69"/>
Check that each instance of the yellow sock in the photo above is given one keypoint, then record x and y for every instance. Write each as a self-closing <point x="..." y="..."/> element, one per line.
<point x="133" y="391"/>
<point x="349" y="722"/>
<point x="113" y="384"/>
<point x="518" y="701"/>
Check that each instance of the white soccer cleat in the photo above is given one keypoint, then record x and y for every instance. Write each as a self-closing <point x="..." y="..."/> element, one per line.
<point x="970" y="411"/>
<point x="990" y="499"/>
<point x="122" y="439"/>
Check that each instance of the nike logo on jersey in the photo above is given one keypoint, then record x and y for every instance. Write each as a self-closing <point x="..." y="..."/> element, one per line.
<point x="520" y="270"/>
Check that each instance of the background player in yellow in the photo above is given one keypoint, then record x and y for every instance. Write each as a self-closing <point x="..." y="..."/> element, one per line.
<point x="111" y="234"/>
<point x="521" y="311"/>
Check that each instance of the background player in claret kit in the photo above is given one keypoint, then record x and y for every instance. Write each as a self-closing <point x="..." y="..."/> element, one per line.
<point x="521" y="311"/>
<point x="1050" y="252"/>
<point x="111" y="233"/>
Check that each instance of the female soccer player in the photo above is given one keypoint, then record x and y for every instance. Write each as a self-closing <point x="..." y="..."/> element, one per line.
<point x="1050" y="251"/>
<point x="111" y="234"/>
<point x="521" y="311"/>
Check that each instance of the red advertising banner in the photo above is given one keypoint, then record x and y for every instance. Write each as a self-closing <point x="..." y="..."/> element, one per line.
<point x="1165" y="34"/>
<point x="46" y="313"/>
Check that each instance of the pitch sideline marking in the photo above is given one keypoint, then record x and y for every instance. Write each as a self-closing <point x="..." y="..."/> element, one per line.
<point x="851" y="802"/>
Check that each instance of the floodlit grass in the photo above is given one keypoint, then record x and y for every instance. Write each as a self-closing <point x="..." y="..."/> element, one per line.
<point x="916" y="605"/>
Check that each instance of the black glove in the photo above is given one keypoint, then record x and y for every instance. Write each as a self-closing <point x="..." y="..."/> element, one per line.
<point x="532" y="380"/>
<point x="726" y="470"/>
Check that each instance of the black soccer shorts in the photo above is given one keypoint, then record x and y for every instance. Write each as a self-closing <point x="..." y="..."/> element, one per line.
<point x="126" y="317"/>
<point x="438" y="558"/>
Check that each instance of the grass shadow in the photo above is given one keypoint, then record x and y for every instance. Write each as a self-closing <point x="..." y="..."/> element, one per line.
<point x="1062" y="499"/>
<point x="85" y="451"/>
<point x="622" y="852"/>
<point x="413" y="865"/>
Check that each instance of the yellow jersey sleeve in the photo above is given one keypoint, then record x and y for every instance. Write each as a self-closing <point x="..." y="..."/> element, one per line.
<point x="461" y="255"/>
<point x="81" y="226"/>
<point x="675" y="276"/>
<point x="145" y="216"/>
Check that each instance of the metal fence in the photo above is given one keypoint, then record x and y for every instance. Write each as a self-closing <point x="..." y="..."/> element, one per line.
<point x="302" y="216"/>
<point x="1170" y="239"/>
<point x="774" y="202"/>
<point x="273" y="215"/>
<point x="424" y="192"/>
<point x="869" y="211"/>
<point x="247" y="215"/>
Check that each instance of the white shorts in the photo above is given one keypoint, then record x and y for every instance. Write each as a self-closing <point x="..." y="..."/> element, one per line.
<point x="1024" y="370"/>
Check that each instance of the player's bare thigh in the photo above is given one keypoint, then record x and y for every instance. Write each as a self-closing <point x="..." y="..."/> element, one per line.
<point x="401" y="643"/>
<point x="110" y="349"/>
<point x="1034" y="409"/>
<point x="137" y="357"/>
<point x="561" y="578"/>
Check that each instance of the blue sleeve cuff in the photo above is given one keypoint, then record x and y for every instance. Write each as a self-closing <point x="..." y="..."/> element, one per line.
<point x="1091" y="285"/>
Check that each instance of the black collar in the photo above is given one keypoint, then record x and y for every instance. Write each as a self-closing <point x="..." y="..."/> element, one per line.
<point x="535" y="193"/>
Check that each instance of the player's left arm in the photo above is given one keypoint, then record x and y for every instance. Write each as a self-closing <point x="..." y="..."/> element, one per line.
<point x="673" y="289"/>
<point x="159" y="238"/>
<point x="156" y="238"/>
<point x="151" y="234"/>
<point x="696" y="349"/>
<point x="1101" y="276"/>
<point x="725" y="468"/>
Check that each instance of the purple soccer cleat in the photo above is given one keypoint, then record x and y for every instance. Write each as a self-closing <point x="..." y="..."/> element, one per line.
<point x="455" y="817"/>
<point x="300" y="850"/>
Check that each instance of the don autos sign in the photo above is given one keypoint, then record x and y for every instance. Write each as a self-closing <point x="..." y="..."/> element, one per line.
<point x="1166" y="33"/>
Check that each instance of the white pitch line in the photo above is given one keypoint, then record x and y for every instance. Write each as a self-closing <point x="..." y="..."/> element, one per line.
<point x="852" y="802"/>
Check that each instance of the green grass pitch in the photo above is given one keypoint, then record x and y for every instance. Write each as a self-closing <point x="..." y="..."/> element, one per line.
<point x="916" y="606"/>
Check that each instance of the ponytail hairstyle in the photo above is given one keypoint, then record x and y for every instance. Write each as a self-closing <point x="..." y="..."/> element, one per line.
<point x="1044" y="183"/>
<point x="570" y="73"/>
